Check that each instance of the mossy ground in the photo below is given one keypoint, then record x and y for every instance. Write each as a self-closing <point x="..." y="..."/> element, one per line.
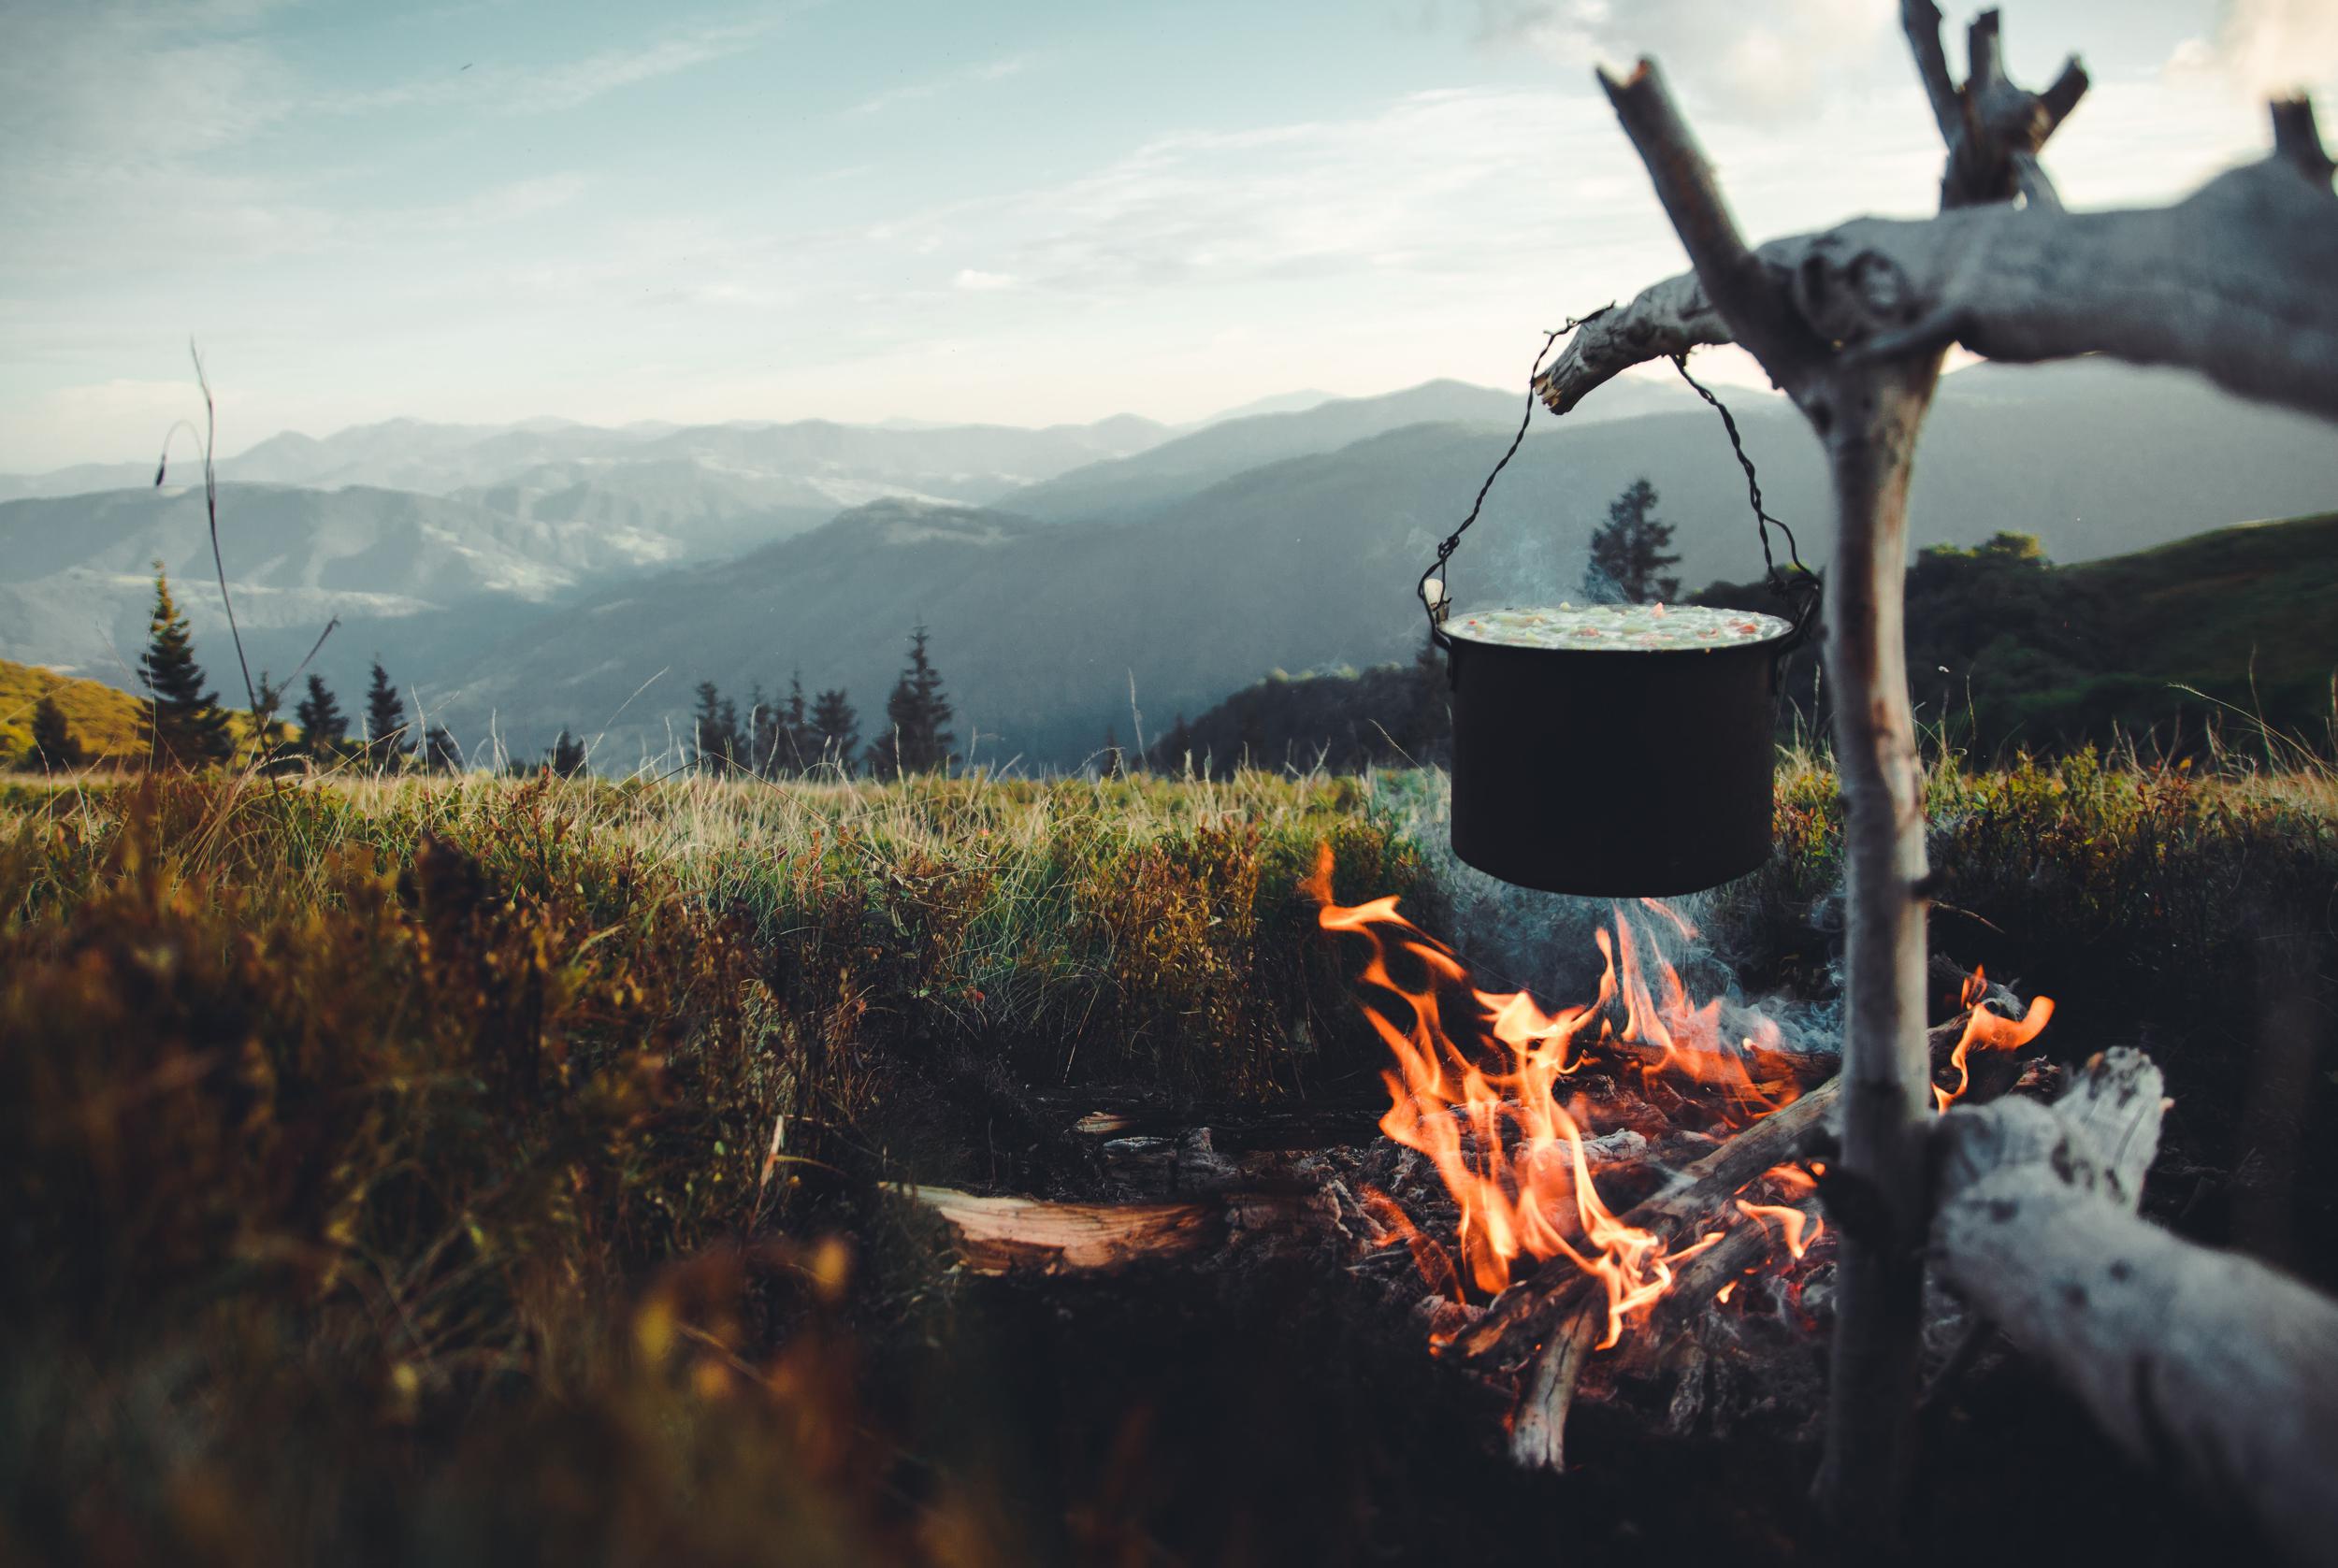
<point x="479" y="1170"/>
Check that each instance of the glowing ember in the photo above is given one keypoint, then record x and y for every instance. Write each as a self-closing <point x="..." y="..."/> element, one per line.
<point x="1489" y="1116"/>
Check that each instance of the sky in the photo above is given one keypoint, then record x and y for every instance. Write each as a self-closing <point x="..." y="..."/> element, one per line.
<point x="1015" y="212"/>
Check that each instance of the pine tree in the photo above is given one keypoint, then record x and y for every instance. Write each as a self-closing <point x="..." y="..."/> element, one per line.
<point x="1627" y="554"/>
<point x="1428" y="724"/>
<point x="1111" y="763"/>
<point x="759" y="740"/>
<point x="386" y="744"/>
<point x="834" y="733"/>
<point x="1176" y="750"/>
<point x="796" y="745"/>
<point x="53" y="750"/>
<point x="183" y="722"/>
<point x="714" y="741"/>
<point x="324" y="727"/>
<point x="271" y="745"/>
<point x="439" y="752"/>
<point x="566" y="757"/>
<point x="914" y="741"/>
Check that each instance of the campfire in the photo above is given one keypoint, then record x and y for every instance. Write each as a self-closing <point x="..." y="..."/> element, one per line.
<point x="1515" y="1106"/>
<point x="1623" y="1190"/>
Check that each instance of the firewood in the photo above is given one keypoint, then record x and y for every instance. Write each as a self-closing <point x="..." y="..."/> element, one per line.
<point x="1559" y="1303"/>
<point x="1700" y="1193"/>
<point x="996" y="1235"/>
<point x="2204" y="1365"/>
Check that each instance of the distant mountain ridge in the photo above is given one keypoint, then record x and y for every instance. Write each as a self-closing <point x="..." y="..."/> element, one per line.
<point x="1309" y="563"/>
<point x="1138" y="485"/>
<point x="958" y="462"/>
<point x="592" y="592"/>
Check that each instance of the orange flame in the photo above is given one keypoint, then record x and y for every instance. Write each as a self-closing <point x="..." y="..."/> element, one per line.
<point x="1490" y="1123"/>
<point x="1990" y="1033"/>
<point x="1790" y="1223"/>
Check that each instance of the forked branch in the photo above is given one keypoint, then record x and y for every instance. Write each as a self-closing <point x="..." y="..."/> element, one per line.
<point x="2232" y="281"/>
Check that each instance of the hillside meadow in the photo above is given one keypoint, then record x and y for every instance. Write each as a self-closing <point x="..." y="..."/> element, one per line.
<point x="484" y="1170"/>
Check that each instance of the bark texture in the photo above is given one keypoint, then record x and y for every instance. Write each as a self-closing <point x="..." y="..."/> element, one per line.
<point x="2206" y="1366"/>
<point x="2231" y="283"/>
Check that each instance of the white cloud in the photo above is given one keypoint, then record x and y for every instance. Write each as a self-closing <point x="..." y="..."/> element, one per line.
<point x="541" y="88"/>
<point x="1761" y="59"/>
<point x="981" y="281"/>
<point x="2264" y="47"/>
<point x="991" y="70"/>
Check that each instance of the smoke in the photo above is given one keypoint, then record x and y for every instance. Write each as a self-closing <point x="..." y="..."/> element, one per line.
<point x="1520" y="939"/>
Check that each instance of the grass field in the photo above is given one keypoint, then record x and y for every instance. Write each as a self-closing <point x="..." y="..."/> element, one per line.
<point x="104" y="721"/>
<point x="481" y="1169"/>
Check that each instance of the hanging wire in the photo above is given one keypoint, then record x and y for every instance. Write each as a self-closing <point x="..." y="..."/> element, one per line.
<point x="1802" y="590"/>
<point x="1452" y="540"/>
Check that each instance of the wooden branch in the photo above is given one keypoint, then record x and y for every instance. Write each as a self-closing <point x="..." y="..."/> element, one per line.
<point x="1741" y="287"/>
<point x="1539" y="1426"/>
<point x="1570" y="1308"/>
<point x="1985" y="56"/>
<point x="2296" y="140"/>
<point x="1921" y="21"/>
<point x="2067" y="89"/>
<point x="998" y="1235"/>
<point x="2207" y="1366"/>
<point x="1867" y="423"/>
<point x="2230" y="282"/>
<point x="1677" y="1212"/>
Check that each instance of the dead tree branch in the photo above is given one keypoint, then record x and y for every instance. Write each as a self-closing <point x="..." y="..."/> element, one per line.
<point x="2229" y="282"/>
<point x="2205" y="1365"/>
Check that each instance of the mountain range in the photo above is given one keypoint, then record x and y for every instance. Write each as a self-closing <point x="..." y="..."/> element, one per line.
<point x="526" y="578"/>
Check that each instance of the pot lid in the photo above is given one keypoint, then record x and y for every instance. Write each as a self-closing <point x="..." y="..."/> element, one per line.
<point x="1617" y="628"/>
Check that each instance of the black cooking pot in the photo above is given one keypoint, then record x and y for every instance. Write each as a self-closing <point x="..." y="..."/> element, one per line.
<point x="1617" y="770"/>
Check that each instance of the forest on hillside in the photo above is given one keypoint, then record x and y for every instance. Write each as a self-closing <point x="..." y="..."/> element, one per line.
<point x="2228" y="639"/>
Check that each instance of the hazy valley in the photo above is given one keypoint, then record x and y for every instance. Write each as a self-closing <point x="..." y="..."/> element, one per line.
<point x="523" y="579"/>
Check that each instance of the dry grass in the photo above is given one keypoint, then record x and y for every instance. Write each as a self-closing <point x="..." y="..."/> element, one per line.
<point x="447" y="1169"/>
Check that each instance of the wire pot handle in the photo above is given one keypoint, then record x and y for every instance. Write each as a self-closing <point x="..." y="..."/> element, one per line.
<point x="1436" y="604"/>
<point x="1798" y="584"/>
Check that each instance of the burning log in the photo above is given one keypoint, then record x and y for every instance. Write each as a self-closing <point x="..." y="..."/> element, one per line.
<point x="1561" y="1301"/>
<point x="1559" y="1315"/>
<point x="2204" y="1366"/>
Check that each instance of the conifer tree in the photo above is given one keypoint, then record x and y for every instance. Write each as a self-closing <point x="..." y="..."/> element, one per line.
<point x="183" y="723"/>
<point x="272" y="745"/>
<point x="758" y="739"/>
<point x="1110" y="762"/>
<point x="324" y="727"/>
<point x="835" y="732"/>
<point x="1627" y="552"/>
<point x="53" y="750"/>
<point x="714" y="740"/>
<point x="1176" y="749"/>
<point x="797" y="744"/>
<point x="439" y="752"/>
<point x="915" y="740"/>
<point x="566" y="755"/>
<point x="386" y="744"/>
